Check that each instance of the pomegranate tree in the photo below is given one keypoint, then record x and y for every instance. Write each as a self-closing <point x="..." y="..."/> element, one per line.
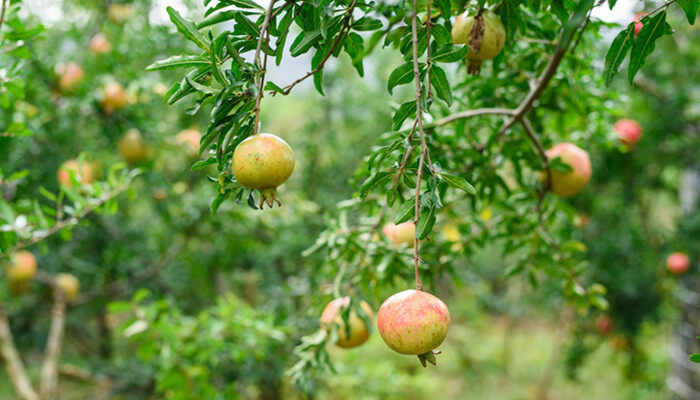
<point x="414" y="322"/>
<point x="569" y="183"/>
<point x="357" y="332"/>
<point x="628" y="131"/>
<point x="678" y="263"/>
<point x="263" y="162"/>
<point x="132" y="147"/>
<point x="402" y="233"/>
<point x="485" y="35"/>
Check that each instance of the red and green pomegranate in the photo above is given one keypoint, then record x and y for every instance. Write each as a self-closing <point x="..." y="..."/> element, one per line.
<point x="358" y="331"/>
<point x="402" y="233"/>
<point x="414" y="322"/>
<point x="21" y="267"/>
<point x="628" y="131"/>
<point x="485" y="35"/>
<point x="678" y="263"/>
<point x="263" y="162"/>
<point x="569" y="183"/>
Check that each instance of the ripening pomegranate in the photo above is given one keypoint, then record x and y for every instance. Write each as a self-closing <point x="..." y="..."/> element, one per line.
<point x="628" y="131"/>
<point x="82" y="170"/>
<point x="638" y="25"/>
<point x="69" y="75"/>
<point x="485" y="35"/>
<point x="189" y="139"/>
<point x="413" y="322"/>
<point x="119" y="13"/>
<point x="402" y="233"/>
<point x="603" y="324"/>
<point x="132" y="147"/>
<point x="263" y="162"/>
<point x="359" y="332"/>
<point x="678" y="263"/>
<point x="21" y="267"/>
<point x="569" y="183"/>
<point x="69" y="284"/>
<point x="99" y="44"/>
<point x="113" y="97"/>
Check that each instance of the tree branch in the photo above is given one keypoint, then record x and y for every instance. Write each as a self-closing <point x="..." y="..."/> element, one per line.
<point x="66" y="222"/>
<point x="13" y="362"/>
<point x="264" y="34"/>
<point x="49" y="368"/>
<point x="2" y="12"/>
<point x="343" y="30"/>
<point x="424" y="146"/>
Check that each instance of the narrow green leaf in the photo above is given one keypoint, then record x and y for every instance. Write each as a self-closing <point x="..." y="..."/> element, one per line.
<point x="426" y="221"/>
<point x="367" y="24"/>
<point x="178" y="62"/>
<point x="653" y="28"/>
<point x="214" y="19"/>
<point x="459" y="182"/>
<point x="188" y="29"/>
<point x="406" y="211"/>
<point x="404" y="111"/>
<point x="438" y="79"/>
<point x="617" y="52"/>
<point x="402" y="75"/>
<point x="247" y="25"/>
<point x="450" y="53"/>
<point x="203" y="163"/>
<point x="690" y="8"/>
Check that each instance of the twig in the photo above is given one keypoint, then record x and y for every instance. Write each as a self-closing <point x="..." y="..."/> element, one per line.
<point x="428" y="61"/>
<point x="343" y="30"/>
<point x="424" y="146"/>
<point x="264" y="33"/>
<point x="49" y="375"/>
<point x="2" y="12"/>
<point x="468" y="114"/>
<point x="66" y="222"/>
<point x="13" y="362"/>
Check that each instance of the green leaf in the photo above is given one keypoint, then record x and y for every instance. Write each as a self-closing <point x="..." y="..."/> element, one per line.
<point x="373" y="181"/>
<point x="199" y="87"/>
<point x="459" y="182"/>
<point x="188" y="29"/>
<point x="214" y="19"/>
<point x="247" y="25"/>
<point x="690" y="8"/>
<point x="404" y="111"/>
<point x="402" y="75"/>
<point x="450" y="53"/>
<point x="426" y="221"/>
<point x="367" y="24"/>
<point x="406" y="211"/>
<point x="617" y="52"/>
<point x="178" y="62"/>
<point x="203" y="163"/>
<point x="353" y="45"/>
<point x="304" y="41"/>
<point x="695" y="358"/>
<point x="654" y="28"/>
<point x="441" y="35"/>
<point x="245" y="4"/>
<point x="438" y="80"/>
<point x="445" y="7"/>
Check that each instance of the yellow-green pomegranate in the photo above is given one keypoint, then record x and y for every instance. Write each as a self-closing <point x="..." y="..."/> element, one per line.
<point x="358" y="331"/>
<point x="483" y="33"/>
<point x="263" y="162"/>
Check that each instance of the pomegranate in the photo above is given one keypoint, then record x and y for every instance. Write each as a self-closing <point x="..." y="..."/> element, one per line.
<point x="413" y="322"/>
<point x="119" y="13"/>
<point x="628" y="131"/>
<point x="678" y="263"/>
<point x="569" y="183"/>
<point x="402" y="233"/>
<point x="189" y="140"/>
<point x="99" y="44"/>
<point x="358" y="332"/>
<point x="132" y="147"/>
<point x="113" y="97"/>
<point x="69" y="75"/>
<point x="69" y="284"/>
<point x="81" y="170"/>
<point x="21" y="267"/>
<point x="485" y="35"/>
<point x="263" y="162"/>
<point x="603" y="324"/>
<point x="638" y="25"/>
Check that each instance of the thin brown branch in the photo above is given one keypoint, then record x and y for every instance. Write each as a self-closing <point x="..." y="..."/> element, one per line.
<point x="66" y="222"/>
<point x="428" y="21"/>
<point x="468" y="114"/>
<point x="76" y="373"/>
<point x="2" y="12"/>
<point x="424" y="145"/>
<point x="49" y="368"/>
<point x="13" y="362"/>
<point x="264" y="35"/>
<point x="343" y="30"/>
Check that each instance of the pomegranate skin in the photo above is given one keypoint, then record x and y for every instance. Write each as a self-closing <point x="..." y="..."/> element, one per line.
<point x="603" y="324"/>
<point x="132" y="147"/>
<point x="82" y="170"/>
<point x="69" y="284"/>
<point x="492" y="41"/>
<point x="263" y="162"/>
<point x="413" y="322"/>
<point x="678" y="263"/>
<point x="22" y="266"/>
<point x="402" y="233"/>
<point x="359" y="333"/>
<point x="628" y="131"/>
<point x="569" y="183"/>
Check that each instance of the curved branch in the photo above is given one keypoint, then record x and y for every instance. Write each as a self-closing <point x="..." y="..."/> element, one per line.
<point x="264" y="35"/>
<point x="470" y="113"/>
<point x="49" y="368"/>
<point x="13" y="362"/>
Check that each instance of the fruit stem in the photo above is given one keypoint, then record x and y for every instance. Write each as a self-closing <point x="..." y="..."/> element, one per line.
<point x="269" y="196"/>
